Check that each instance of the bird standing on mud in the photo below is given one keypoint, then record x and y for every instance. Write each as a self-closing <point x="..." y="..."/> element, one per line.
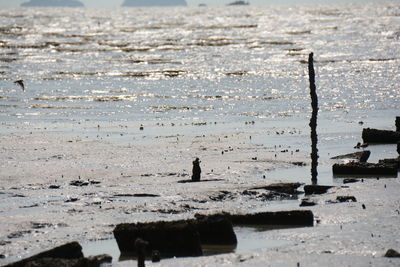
<point x="20" y="83"/>
<point x="196" y="170"/>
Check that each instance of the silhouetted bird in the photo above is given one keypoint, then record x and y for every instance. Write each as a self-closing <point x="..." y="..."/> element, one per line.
<point x="196" y="170"/>
<point x="20" y="83"/>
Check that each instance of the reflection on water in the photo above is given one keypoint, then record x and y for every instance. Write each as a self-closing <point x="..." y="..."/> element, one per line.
<point x="232" y="63"/>
<point x="249" y="240"/>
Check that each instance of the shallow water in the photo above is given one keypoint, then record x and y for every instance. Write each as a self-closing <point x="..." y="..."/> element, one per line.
<point x="89" y="67"/>
<point x="250" y="240"/>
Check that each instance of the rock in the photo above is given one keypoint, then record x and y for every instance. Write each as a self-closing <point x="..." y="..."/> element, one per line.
<point x="359" y="145"/>
<point x="365" y="155"/>
<point x="391" y="253"/>
<point x="3" y="243"/>
<point x="316" y="189"/>
<point x="363" y="168"/>
<point x="78" y="183"/>
<point x="359" y="156"/>
<point x="71" y="199"/>
<point x="215" y="230"/>
<point x="222" y="195"/>
<point x="286" y="188"/>
<point x="36" y="225"/>
<point x="307" y="203"/>
<point x="263" y="195"/>
<point x="94" y="261"/>
<point x="171" y="239"/>
<point x="204" y="180"/>
<point x="71" y="250"/>
<point x="350" y="180"/>
<point x="136" y="195"/>
<point x="380" y="136"/>
<point x="155" y="256"/>
<point x="99" y="260"/>
<point x="54" y="187"/>
<point x="394" y="162"/>
<point x="278" y="218"/>
<point x="18" y="234"/>
<point x="46" y="262"/>
<point x="346" y="199"/>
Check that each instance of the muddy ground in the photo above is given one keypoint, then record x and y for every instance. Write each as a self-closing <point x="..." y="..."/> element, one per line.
<point x="57" y="188"/>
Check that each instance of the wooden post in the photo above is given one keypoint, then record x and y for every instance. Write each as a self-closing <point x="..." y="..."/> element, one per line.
<point x="140" y="246"/>
<point x="313" y="120"/>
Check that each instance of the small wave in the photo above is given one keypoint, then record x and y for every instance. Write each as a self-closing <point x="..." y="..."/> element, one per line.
<point x="236" y="73"/>
<point x="278" y="43"/>
<point x="214" y="42"/>
<point x="38" y="106"/>
<point x="23" y="46"/>
<point x="70" y="35"/>
<point x="135" y="49"/>
<point x="114" y="98"/>
<point x="108" y="98"/>
<point x="322" y="61"/>
<point x="295" y="49"/>
<point x="141" y="28"/>
<point x="61" y="98"/>
<point x="237" y="98"/>
<point x="164" y="108"/>
<point x="10" y="15"/>
<point x="225" y="27"/>
<point x="11" y="30"/>
<point x="138" y="74"/>
<point x="148" y="61"/>
<point x="381" y="59"/>
<point x="298" y="32"/>
<point x="329" y="13"/>
<point x="8" y="60"/>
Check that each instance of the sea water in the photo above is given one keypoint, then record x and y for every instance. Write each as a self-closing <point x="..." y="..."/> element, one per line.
<point x="201" y="70"/>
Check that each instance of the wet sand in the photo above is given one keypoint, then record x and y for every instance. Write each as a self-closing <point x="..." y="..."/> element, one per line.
<point x="139" y="181"/>
<point x="40" y="208"/>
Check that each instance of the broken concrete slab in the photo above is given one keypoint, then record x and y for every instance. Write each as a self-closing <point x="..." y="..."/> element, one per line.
<point x="316" y="189"/>
<point x="380" y="136"/>
<point x="363" y="168"/>
<point x="361" y="156"/>
<point x="171" y="239"/>
<point x="71" y="250"/>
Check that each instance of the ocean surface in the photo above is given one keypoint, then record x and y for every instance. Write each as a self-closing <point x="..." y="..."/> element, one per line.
<point x="225" y="67"/>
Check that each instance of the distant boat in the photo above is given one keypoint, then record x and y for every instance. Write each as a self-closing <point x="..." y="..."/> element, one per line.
<point x="53" y="3"/>
<point x="239" y="3"/>
<point x="142" y="3"/>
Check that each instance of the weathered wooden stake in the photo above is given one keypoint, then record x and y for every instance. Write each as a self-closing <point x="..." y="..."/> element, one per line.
<point x="313" y="120"/>
<point x="140" y="246"/>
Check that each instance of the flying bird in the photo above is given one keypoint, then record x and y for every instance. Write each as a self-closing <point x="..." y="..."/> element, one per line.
<point x="20" y="83"/>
